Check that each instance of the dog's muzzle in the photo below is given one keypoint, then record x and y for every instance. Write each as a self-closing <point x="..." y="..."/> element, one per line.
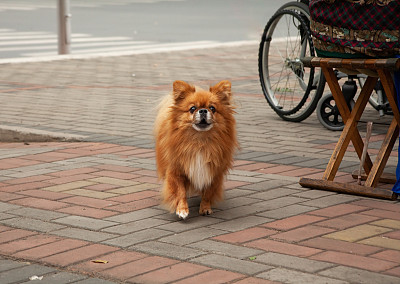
<point x="202" y="120"/>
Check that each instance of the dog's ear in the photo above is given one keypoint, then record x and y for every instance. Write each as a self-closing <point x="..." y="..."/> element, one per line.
<point x="223" y="91"/>
<point x="181" y="89"/>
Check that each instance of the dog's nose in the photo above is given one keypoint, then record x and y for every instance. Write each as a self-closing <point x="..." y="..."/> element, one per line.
<point x="203" y="111"/>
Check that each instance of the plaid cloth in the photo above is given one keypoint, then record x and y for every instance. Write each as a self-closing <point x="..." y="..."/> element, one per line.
<point x="356" y="28"/>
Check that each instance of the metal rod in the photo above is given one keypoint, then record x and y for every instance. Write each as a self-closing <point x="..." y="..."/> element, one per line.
<point x="364" y="152"/>
<point x="64" y="27"/>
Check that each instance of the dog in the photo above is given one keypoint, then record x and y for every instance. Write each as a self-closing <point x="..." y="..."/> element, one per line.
<point x="195" y="137"/>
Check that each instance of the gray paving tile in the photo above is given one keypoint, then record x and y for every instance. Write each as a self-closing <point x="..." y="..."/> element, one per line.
<point x="287" y="211"/>
<point x="44" y="215"/>
<point x="292" y="276"/>
<point x="167" y="250"/>
<point x="82" y="234"/>
<point x="192" y="236"/>
<point x="23" y="273"/>
<point x="135" y="215"/>
<point x="241" y="223"/>
<point x="225" y="249"/>
<point x="31" y="224"/>
<point x="293" y="262"/>
<point x="137" y="237"/>
<point x="85" y="222"/>
<point x="232" y="264"/>
<point x="355" y="275"/>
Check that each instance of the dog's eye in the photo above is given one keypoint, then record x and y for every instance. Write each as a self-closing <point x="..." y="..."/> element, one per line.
<point x="212" y="109"/>
<point x="192" y="109"/>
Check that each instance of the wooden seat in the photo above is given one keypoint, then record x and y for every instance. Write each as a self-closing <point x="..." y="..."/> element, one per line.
<point x="373" y="170"/>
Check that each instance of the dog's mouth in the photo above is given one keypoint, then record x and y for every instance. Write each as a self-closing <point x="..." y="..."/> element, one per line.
<point x="203" y="125"/>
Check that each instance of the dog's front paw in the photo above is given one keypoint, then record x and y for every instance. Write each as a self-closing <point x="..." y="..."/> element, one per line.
<point x="205" y="209"/>
<point x="182" y="213"/>
<point x="182" y="210"/>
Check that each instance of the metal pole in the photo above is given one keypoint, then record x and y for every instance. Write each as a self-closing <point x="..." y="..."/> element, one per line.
<point x="64" y="27"/>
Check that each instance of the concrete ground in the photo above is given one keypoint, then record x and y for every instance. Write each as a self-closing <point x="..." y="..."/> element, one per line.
<point x="85" y="207"/>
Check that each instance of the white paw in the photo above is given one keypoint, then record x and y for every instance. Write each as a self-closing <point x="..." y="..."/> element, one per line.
<point x="182" y="214"/>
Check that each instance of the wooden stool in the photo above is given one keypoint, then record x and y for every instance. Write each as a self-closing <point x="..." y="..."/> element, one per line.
<point x="383" y="69"/>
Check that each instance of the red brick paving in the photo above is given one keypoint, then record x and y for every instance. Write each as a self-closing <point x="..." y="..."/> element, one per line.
<point x="170" y="274"/>
<point x="78" y="254"/>
<point x="212" y="277"/>
<point x="340" y="246"/>
<point x="131" y="269"/>
<point x="338" y="210"/>
<point x="113" y="259"/>
<point x="357" y="261"/>
<point x="293" y="222"/>
<point x="87" y="211"/>
<point x="45" y="250"/>
<point x="301" y="235"/>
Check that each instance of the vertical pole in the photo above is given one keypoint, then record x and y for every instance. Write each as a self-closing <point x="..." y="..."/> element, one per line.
<point x="64" y="27"/>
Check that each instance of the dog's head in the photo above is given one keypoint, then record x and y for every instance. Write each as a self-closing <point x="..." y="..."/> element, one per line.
<point x="200" y="108"/>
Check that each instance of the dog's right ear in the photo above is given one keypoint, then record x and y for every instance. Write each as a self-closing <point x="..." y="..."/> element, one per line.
<point x="181" y="89"/>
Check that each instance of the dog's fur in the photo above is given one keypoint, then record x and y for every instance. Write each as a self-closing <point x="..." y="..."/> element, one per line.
<point x="195" y="133"/>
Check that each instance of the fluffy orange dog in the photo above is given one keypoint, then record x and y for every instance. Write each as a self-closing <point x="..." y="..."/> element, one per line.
<point x="195" y="141"/>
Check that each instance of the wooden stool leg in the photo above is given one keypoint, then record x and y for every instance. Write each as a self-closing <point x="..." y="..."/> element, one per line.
<point x="383" y="155"/>
<point x="350" y="131"/>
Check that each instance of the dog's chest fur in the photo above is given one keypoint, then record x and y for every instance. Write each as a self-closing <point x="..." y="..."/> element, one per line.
<point x="199" y="172"/>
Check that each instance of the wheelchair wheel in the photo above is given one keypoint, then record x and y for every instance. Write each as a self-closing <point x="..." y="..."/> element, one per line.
<point x="291" y="90"/>
<point x="328" y="113"/>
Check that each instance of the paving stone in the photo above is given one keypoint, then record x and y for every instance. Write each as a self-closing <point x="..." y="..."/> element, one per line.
<point x="84" y="222"/>
<point x="23" y="273"/>
<point x="135" y="215"/>
<point x="225" y="249"/>
<point x="214" y="276"/>
<point x="266" y="185"/>
<point x="287" y="211"/>
<point x="7" y="264"/>
<point x="44" y="215"/>
<point x="233" y="264"/>
<point x="192" y="236"/>
<point x="355" y="275"/>
<point x="190" y="223"/>
<point x="137" y="237"/>
<point x="167" y="250"/>
<point x="135" y="226"/>
<point x="293" y="262"/>
<point x="240" y="223"/>
<point x="85" y="235"/>
<point x="6" y="207"/>
<point x="358" y="233"/>
<point x="32" y="224"/>
<point x="383" y="242"/>
<point x="356" y="261"/>
<point x="60" y="277"/>
<point x="94" y="281"/>
<point x="291" y="276"/>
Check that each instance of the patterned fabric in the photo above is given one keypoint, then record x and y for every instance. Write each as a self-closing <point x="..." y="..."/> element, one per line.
<point x="356" y="27"/>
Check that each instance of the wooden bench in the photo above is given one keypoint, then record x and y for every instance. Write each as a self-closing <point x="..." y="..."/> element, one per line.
<point x="382" y="69"/>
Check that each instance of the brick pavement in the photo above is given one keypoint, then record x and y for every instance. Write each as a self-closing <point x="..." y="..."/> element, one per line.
<point x="95" y="196"/>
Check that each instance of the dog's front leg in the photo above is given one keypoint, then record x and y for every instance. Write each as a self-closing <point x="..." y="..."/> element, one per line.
<point x="211" y="195"/>
<point x="175" y="195"/>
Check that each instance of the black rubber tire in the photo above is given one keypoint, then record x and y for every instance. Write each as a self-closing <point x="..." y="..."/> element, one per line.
<point x="298" y="111"/>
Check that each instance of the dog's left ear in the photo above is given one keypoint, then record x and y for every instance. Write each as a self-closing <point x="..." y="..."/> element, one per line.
<point x="223" y="91"/>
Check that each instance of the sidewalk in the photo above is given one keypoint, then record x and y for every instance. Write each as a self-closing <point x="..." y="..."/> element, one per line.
<point x="86" y="210"/>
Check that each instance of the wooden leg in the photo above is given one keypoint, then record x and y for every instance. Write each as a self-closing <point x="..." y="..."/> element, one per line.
<point x="350" y="131"/>
<point x="383" y="155"/>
